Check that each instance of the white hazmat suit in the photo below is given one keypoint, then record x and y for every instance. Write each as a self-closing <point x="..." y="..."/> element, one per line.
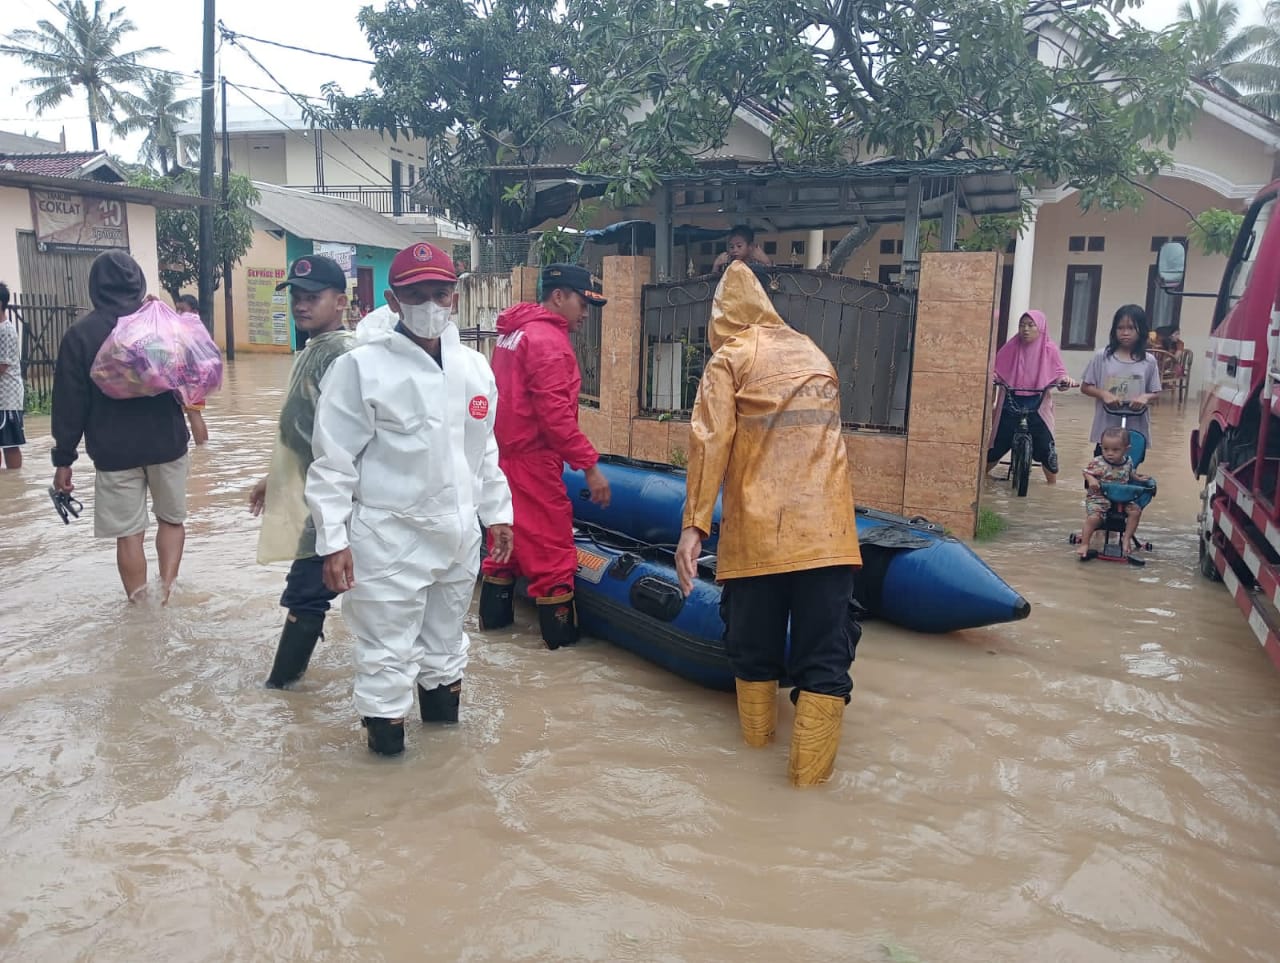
<point x="405" y="470"/>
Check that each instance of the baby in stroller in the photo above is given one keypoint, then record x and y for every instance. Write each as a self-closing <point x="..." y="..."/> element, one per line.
<point x="1115" y="495"/>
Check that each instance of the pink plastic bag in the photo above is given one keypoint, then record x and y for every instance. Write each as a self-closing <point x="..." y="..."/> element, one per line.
<point x="155" y="350"/>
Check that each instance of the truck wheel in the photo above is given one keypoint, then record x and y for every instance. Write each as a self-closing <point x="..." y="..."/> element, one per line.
<point x="1207" y="568"/>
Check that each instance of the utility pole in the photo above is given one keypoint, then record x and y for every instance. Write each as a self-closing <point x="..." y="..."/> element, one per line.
<point x="205" y="254"/>
<point x="228" y="308"/>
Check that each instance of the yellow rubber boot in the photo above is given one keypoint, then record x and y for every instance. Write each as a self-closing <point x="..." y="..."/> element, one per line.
<point x="815" y="739"/>
<point x="758" y="711"/>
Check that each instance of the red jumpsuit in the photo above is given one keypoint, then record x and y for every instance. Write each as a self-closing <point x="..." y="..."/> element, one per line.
<point x="537" y="431"/>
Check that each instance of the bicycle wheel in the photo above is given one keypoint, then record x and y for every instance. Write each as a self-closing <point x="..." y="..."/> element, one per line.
<point x="1020" y="470"/>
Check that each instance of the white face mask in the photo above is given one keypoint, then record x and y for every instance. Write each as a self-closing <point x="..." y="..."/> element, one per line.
<point x="426" y="320"/>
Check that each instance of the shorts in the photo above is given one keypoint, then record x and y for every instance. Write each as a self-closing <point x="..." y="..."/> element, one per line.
<point x="1096" y="506"/>
<point x="120" y="498"/>
<point x="11" y="433"/>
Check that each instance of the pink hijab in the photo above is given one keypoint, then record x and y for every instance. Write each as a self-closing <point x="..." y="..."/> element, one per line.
<point x="1030" y="366"/>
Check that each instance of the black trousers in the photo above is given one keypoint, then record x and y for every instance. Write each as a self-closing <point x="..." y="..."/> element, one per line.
<point x="1043" y="448"/>
<point x="304" y="588"/>
<point x="818" y="604"/>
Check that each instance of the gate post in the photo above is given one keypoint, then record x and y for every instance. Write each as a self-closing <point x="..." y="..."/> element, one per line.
<point x="620" y="347"/>
<point x="950" y="398"/>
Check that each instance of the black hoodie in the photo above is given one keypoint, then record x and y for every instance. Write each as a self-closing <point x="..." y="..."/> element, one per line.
<point x="117" y="434"/>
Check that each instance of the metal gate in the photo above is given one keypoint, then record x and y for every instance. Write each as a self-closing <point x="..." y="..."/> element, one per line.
<point x="62" y="276"/>
<point x="54" y="292"/>
<point x="41" y="324"/>
<point x="864" y="328"/>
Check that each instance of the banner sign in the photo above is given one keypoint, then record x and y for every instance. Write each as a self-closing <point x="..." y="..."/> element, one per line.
<point x="78" y="222"/>
<point x="268" y="308"/>
<point x="343" y="254"/>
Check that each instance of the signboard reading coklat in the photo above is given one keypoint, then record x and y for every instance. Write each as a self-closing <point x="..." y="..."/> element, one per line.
<point x="78" y="222"/>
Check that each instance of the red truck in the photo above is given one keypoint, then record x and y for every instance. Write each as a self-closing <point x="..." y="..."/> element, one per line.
<point x="1236" y="448"/>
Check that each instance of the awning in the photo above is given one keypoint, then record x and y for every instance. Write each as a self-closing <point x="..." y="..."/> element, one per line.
<point x="796" y="198"/>
<point x="643" y="234"/>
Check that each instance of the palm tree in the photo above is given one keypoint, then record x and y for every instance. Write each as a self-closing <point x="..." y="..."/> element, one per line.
<point x="1259" y="74"/>
<point x="1217" y="48"/>
<point x="82" y="52"/>
<point x="157" y="110"/>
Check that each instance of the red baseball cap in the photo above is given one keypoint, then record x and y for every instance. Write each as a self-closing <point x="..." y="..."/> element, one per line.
<point x="421" y="262"/>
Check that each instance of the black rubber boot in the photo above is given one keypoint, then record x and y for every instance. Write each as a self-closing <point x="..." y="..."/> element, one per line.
<point x="298" y="640"/>
<point x="496" y="603"/>
<point x="558" y="619"/>
<point x="386" y="736"/>
<point x="441" y="703"/>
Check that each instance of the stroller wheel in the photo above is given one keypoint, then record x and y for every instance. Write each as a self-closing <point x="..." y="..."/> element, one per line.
<point x="1146" y="546"/>
<point x="1073" y="538"/>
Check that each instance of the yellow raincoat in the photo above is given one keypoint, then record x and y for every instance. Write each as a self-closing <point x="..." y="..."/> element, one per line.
<point x="766" y="425"/>
<point x="287" y="531"/>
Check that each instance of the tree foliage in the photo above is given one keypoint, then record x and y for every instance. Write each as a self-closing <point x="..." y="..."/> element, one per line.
<point x="1072" y="92"/>
<point x="178" y="229"/>
<point x="82" y="50"/>
<point x="484" y="86"/>
<point x="156" y="110"/>
<point x="1214" y="231"/>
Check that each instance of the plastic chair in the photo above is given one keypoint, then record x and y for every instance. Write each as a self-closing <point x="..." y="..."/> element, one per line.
<point x="1182" y="374"/>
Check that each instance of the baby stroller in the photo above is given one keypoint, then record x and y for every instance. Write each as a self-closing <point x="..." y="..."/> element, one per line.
<point x="1122" y="495"/>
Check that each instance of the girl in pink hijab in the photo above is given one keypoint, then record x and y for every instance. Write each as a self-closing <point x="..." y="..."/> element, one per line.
<point x="1027" y="364"/>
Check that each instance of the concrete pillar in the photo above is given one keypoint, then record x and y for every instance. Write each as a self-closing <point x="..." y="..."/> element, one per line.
<point x="813" y="249"/>
<point x="1023" y="261"/>
<point x="950" y="399"/>
<point x="620" y="347"/>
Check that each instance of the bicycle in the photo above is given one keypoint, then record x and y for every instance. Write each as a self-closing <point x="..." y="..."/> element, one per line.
<point x="1022" y="404"/>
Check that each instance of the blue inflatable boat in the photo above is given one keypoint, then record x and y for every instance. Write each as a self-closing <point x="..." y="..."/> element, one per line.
<point x="628" y="593"/>
<point x="913" y="574"/>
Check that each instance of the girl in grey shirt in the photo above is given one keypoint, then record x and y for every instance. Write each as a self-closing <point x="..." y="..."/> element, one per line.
<point x="1122" y="372"/>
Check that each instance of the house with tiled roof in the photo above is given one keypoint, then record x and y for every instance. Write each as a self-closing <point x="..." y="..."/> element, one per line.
<point x="84" y="165"/>
<point x="58" y="211"/>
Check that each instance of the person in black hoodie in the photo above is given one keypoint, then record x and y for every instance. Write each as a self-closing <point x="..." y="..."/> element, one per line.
<point x="137" y="445"/>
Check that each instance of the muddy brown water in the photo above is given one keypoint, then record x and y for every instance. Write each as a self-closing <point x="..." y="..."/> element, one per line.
<point x="1099" y="782"/>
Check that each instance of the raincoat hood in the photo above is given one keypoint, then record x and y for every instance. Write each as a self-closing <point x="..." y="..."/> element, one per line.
<point x="740" y="302"/>
<point x="518" y="315"/>
<point x="116" y="284"/>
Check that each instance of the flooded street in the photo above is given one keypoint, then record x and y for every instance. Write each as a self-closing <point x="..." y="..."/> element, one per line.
<point x="1100" y="782"/>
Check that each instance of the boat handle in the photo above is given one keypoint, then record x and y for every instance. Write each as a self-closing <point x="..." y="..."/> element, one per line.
<point x="656" y="597"/>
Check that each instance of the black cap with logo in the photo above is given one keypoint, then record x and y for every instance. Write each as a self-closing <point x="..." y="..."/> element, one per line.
<point x="315" y="273"/>
<point x="574" y="278"/>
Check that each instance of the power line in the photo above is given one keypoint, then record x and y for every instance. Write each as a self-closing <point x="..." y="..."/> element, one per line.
<point x="308" y="112"/>
<point x="294" y="130"/>
<point x="233" y="36"/>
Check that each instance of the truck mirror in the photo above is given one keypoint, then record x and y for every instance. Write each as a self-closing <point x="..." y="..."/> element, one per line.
<point x="1171" y="265"/>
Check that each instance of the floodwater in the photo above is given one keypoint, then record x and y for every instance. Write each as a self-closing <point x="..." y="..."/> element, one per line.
<point x="1100" y="782"/>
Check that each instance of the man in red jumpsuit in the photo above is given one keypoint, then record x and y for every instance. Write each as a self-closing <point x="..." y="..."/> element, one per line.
<point x="537" y="431"/>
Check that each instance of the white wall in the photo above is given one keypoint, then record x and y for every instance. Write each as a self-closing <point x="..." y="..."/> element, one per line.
<point x="1214" y="146"/>
<point x="350" y="157"/>
<point x="1125" y="261"/>
<point x="15" y="216"/>
<point x="142" y="244"/>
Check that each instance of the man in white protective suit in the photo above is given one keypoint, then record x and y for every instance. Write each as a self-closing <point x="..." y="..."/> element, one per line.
<point x="405" y="472"/>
